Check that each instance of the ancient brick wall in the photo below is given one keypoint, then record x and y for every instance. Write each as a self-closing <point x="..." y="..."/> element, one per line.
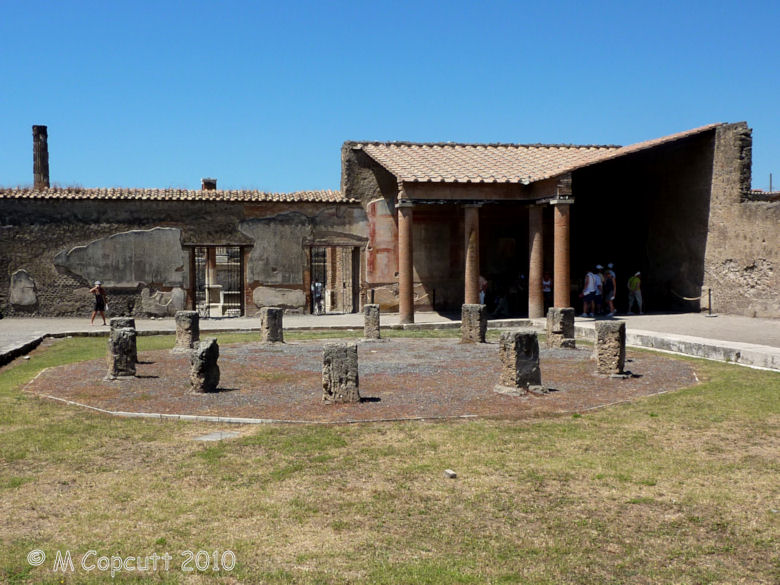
<point x="742" y="265"/>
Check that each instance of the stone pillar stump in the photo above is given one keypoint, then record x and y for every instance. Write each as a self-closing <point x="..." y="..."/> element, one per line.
<point x="610" y="347"/>
<point x="371" y="322"/>
<point x="473" y="325"/>
<point x="519" y="353"/>
<point x="121" y="353"/>
<point x="340" y="381"/>
<point x="187" y="330"/>
<point x="204" y="370"/>
<point x="121" y="322"/>
<point x="560" y="328"/>
<point x="271" y="330"/>
<point x="126" y="323"/>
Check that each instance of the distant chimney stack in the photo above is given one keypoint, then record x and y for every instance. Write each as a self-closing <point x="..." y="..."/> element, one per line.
<point x="208" y="184"/>
<point x="40" y="157"/>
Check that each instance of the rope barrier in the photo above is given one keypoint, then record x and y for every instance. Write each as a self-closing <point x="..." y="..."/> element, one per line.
<point x="688" y="298"/>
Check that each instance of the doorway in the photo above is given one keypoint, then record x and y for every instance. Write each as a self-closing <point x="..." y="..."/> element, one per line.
<point x="335" y="271"/>
<point x="218" y="281"/>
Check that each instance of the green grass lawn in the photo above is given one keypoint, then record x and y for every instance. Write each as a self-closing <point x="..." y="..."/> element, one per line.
<point x="678" y="488"/>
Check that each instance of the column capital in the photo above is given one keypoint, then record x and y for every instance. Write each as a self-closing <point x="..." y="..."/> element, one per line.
<point x="404" y="203"/>
<point x="562" y="201"/>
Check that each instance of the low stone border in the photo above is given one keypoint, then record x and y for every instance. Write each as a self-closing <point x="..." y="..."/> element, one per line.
<point x="20" y="350"/>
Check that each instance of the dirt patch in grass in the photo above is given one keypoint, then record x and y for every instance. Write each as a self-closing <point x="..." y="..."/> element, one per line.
<point x="399" y="379"/>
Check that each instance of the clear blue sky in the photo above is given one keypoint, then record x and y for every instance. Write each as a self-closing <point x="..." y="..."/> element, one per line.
<point x="262" y="94"/>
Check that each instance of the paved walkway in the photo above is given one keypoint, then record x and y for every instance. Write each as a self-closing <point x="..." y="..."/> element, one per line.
<point x="726" y="337"/>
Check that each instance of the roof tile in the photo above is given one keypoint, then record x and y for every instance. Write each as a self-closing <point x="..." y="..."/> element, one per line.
<point x="75" y="193"/>
<point x="497" y="163"/>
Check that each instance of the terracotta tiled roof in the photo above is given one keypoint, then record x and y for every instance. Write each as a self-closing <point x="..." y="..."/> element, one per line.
<point x="639" y="146"/>
<point x="479" y="163"/>
<point x="325" y="196"/>
<point x="496" y="163"/>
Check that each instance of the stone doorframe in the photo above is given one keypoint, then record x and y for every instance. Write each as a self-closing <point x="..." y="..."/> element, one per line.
<point x="345" y="273"/>
<point x="217" y="285"/>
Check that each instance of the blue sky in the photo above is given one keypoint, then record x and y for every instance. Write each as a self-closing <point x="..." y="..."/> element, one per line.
<point x="262" y="94"/>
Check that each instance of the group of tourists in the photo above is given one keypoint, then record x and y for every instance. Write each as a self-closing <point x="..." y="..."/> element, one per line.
<point x="599" y="290"/>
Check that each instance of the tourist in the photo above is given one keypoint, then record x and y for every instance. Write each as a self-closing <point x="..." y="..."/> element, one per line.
<point x="100" y="302"/>
<point x="316" y="289"/>
<point x="635" y="292"/>
<point x="599" y="289"/>
<point x="483" y="286"/>
<point x="610" y="287"/>
<point x="589" y="295"/>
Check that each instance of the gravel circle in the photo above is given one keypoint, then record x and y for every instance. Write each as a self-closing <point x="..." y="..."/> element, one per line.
<point x="399" y="379"/>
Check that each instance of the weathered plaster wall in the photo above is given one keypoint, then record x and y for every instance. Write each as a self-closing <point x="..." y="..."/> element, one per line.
<point x="34" y="232"/>
<point x="437" y="232"/>
<point x="743" y="248"/>
<point x="129" y="259"/>
<point x="138" y="248"/>
<point x="278" y="254"/>
<point x="278" y="262"/>
<point x="382" y="256"/>
<point x="363" y="179"/>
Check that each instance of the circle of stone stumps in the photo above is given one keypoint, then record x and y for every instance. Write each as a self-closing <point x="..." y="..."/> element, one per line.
<point x="610" y="351"/>
<point x="204" y="371"/>
<point x="473" y="323"/>
<point x="560" y="328"/>
<point x="187" y="331"/>
<point x="271" y="330"/>
<point x="520" y="373"/>
<point x="340" y="380"/>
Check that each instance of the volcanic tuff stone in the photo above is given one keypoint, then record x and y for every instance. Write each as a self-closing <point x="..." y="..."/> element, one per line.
<point x="271" y="324"/>
<point x="340" y="381"/>
<point x="122" y="322"/>
<point x="371" y="322"/>
<point x="610" y="347"/>
<point x="22" y="290"/>
<point x="126" y="323"/>
<point x="187" y="330"/>
<point x="560" y="328"/>
<point x="204" y="373"/>
<point x="519" y="353"/>
<point x="121" y="353"/>
<point x="473" y="324"/>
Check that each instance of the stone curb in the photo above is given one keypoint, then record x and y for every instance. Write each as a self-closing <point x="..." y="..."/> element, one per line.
<point x="744" y="354"/>
<point x="763" y="357"/>
<point x="10" y="355"/>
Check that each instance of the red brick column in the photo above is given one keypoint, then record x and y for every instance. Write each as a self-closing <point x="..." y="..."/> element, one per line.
<point x="535" y="262"/>
<point x="561" y="261"/>
<point x="405" y="266"/>
<point x="471" y="278"/>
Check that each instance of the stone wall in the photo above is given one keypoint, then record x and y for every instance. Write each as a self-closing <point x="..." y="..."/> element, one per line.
<point x="743" y="246"/>
<point x="140" y="250"/>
